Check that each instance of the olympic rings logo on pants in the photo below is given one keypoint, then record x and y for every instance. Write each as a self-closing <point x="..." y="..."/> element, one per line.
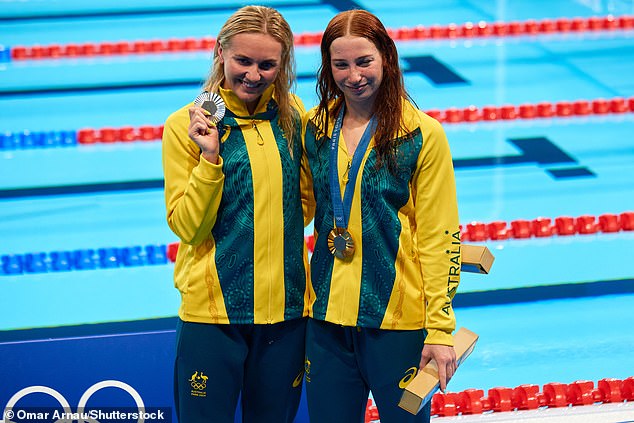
<point x="9" y="414"/>
<point x="199" y="386"/>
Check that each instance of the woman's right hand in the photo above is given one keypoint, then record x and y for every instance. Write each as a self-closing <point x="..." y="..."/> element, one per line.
<point x="204" y="133"/>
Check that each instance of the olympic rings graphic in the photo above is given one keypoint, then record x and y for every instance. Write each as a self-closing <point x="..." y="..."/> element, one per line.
<point x="199" y="386"/>
<point x="8" y="409"/>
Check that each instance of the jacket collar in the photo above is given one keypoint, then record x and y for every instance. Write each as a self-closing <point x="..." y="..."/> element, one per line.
<point x="266" y="109"/>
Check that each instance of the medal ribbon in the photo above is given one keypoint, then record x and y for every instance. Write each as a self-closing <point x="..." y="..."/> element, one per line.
<point x="341" y="208"/>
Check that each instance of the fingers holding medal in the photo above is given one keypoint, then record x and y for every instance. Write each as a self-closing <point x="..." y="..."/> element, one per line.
<point x="208" y="110"/>
<point x="211" y="103"/>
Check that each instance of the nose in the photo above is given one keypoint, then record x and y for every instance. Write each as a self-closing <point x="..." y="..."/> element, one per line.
<point x="253" y="74"/>
<point x="354" y="76"/>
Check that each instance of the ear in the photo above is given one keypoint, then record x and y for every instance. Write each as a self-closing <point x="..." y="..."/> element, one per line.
<point x="221" y="58"/>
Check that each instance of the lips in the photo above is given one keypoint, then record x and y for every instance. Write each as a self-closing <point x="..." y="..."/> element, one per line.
<point x="357" y="88"/>
<point x="250" y="85"/>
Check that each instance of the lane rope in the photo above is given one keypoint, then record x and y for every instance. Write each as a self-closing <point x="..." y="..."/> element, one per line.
<point x="530" y="27"/>
<point x="525" y="397"/>
<point x="28" y="139"/>
<point x="157" y="254"/>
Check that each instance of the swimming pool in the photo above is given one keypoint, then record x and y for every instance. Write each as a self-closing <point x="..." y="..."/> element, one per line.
<point x="552" y="309"/>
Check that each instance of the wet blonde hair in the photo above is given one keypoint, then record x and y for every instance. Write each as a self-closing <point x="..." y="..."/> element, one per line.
<point x="262" y="20"/>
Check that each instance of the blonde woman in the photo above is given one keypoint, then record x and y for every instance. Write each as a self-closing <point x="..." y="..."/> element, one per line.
<point x="232" y="194"/>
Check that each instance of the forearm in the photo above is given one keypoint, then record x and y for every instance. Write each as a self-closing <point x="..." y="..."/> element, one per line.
<point x="438" y="235"/>
<point x="193" y="188"/>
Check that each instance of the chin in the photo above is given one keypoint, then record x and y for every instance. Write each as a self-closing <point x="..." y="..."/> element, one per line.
<point x="250" y="98"/>
<point x="246" y="95"/>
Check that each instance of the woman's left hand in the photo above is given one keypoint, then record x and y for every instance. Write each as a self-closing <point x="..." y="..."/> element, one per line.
<point x="444" y="357"/>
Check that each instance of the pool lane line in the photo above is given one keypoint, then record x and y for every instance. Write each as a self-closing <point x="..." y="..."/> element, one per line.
<point x="131" y="12"/>
<point x="45" y="191"/>
<point x="23" y="140"/>
<point x="156" y="254"/>
<point x="482" y="29"/>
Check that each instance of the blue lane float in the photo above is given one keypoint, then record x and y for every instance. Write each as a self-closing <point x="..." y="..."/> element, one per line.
<point x="83" y="259"/>
<point x="34" y="139"/>
<point x="5" y="54"/>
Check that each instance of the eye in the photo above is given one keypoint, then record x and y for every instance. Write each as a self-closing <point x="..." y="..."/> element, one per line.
<point x="364" y="62"/>
<point x="340" y="65"/>
<point x="267" y="65"/>
<point x="243" y="61"/>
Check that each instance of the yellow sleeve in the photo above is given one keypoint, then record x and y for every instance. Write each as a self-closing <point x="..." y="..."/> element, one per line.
<point x="298" y="104"/>
<point x="437" y="233"/>
<point x="193" y="186"/>
<point x="306" y="179"/>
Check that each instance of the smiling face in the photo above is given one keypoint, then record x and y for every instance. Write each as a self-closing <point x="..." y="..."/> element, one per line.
<point x="251" y="64"/>
<point x="357" y="69"/>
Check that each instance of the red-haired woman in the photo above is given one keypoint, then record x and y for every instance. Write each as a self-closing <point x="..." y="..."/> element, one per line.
<point x="387" y="254"/>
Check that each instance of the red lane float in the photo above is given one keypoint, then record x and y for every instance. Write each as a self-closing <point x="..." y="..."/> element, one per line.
<point x="540" y="227"/>
<point x="449" y="116"/>
<point x="524" y="397"/>
<point x="542" y="110"/>
<point x="529" y="27"/>
<point x="123" y="134"/>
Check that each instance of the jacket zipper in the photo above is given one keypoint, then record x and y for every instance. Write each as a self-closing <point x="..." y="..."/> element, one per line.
<point x="255" y="126"/>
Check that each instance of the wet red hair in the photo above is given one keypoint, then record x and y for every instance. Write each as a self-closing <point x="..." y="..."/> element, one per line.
<point x="388" y="108"/>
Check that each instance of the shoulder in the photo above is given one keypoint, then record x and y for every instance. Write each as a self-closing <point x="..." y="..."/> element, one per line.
<point x="311" y="114"/>
<point x="309" y="118"/>
<point x="416" y="118"/>
<point x="297" y="104"/>
<point x="179" y="118"/>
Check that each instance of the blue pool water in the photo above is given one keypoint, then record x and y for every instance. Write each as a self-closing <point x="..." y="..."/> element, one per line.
<point x="552" y="309"/>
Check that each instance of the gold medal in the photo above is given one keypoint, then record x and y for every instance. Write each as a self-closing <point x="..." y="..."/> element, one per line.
<point x="341" y="244"/>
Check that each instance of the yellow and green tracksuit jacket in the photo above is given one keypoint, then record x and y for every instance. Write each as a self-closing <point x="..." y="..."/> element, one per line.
<point x="405" y="226"/>
<point x="242" y="257"/>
